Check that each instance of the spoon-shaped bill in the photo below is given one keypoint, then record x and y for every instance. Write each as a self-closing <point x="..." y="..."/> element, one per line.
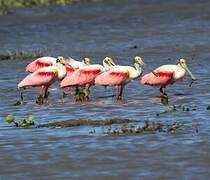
<point x="189" y="72"/>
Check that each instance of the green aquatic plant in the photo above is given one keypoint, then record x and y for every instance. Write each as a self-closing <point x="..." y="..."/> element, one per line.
<point x="10" y="118"/>
<point x="82" y="94"/>
<point x="26" y="122"/>
<point x="40" y="100"/>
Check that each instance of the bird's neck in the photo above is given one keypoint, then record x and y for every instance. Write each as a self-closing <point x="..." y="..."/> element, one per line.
<point x="106" y="66"/>
<point x="138" y="68"/>
<point x="61" y="69"/>
<point x="84" y="64"/>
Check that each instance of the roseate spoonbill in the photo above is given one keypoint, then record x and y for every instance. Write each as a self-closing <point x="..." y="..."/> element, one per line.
<point x="77" y="64"/>
<point x="44" y="77"/>
<point x="40" y="63"/>
<point x="44" y="62"/>
<point x="119" y="76"/>
<point x="167" y="74"/>
<point x="71" y="64"/>
<point x="84" y="76"/>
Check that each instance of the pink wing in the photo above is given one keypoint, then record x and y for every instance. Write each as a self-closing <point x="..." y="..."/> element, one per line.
<point x="158" y="78"/>
<point x="39" y="63"/>
<point x="112" y="77"/>
<point x="43" y="76"/>
<point x="75" y="64"/>
<point x="80" y="77"/>
<point x="69" y="70"/>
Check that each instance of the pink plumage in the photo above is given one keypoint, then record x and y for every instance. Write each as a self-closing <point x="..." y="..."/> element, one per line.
<point x="82" y="76"/>
<point x="115" y="76"/>
<point x="111" y="77"/>
<point x="74" y="64"/>
<point x="42" y="77"/>
<point x="69" y="70"/>
<point x="162" y="76"/>
<point x="40" y="63"/>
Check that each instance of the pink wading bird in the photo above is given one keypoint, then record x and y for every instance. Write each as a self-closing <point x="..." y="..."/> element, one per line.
<point x="84" y="76"/>
<point x="44" y="77"/>
<point x="119" y="76"/>
<point x="167" y="74"/>
<point x="71" y="64"/>
<point x="77" y="64"/>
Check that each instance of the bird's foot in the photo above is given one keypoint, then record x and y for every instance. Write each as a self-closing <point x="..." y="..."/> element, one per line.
<point x="164" y="100"/>
<point x="64" y="95"/>
<point x="19" y="102"/>
<point x="165" y="95"/>
<point x="119" y="98"/>
<point x="40" y="100"/>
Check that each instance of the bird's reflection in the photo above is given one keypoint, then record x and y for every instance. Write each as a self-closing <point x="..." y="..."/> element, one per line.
<point x="164" y="100"/>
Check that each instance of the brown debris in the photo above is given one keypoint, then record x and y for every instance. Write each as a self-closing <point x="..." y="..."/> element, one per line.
<point x="148" y="127"/>
<point x="84" y="122"/>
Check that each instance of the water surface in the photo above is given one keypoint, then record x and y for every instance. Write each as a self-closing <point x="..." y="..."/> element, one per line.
<point x="162" y="33"/>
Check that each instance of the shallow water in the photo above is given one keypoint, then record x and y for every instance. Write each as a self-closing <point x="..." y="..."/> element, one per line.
<point x="162" y="32"/>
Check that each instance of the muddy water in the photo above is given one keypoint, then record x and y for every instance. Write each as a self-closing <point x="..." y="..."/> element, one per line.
<point x="160" y="33"/>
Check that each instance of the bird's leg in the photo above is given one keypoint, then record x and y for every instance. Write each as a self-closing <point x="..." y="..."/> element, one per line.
<point x="64" y="94"/>
<point x="87" y="86"/>
<point x="39" y="99"/>
<point x="76" y="90"/>
<point x="43" y="95"/>
<point x="121" y="91"/>
<point x="21" y="96"/>
<point x="163" y="91"/>
<point x="20" y="101"/>
<point x="46" y="93"/>
<point x="117" y="92"/>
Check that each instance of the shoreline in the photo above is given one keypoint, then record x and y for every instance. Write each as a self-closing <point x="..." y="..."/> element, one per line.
<point x="7" y="6"/>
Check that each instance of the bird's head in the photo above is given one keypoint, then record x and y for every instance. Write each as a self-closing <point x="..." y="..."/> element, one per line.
<point x="87" y="61"/>
<point x="138" y="60"/>
<point x="61" y="60"/>
<point x="108" y="62"/>
<point x="183" y="64"/>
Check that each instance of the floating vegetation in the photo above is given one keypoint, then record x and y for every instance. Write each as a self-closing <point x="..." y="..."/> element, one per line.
<point x="169" y="109"/>
<point x="10" y="118"/>
<point x="147" y="127"/>
<point x="174" y="108"/>
<point x="82" y="94"/>
<point x="22" y="55"/>
<point x="185" y="108"/>
<point x="40" y="100"/>
<point x="84" y="122"/>
<point x="125" y="129"/>
<point x="26" y="122"/>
